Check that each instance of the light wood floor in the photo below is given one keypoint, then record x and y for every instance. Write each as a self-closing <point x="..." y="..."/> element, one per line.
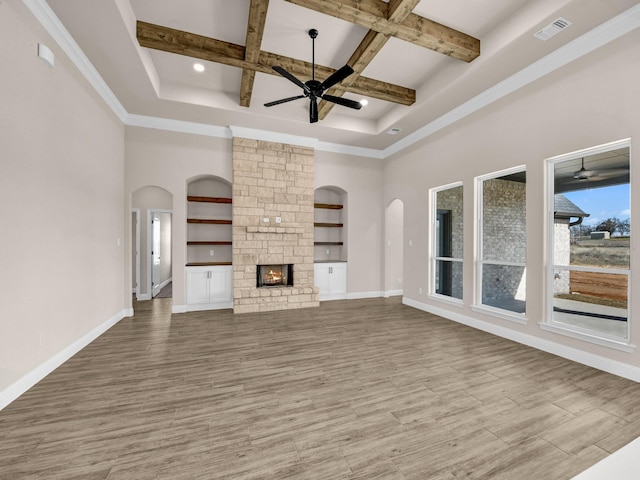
<point x="360" y="389"/>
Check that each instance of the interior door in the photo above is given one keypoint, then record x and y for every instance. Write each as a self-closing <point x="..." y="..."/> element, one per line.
<point x="155" y="255"/>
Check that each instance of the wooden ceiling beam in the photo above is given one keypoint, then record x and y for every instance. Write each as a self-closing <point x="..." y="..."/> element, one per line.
<point x="205" y="48"/>
<point x="255" y="30"/>
<point x="369" y="47"/>
<point x="374" y="14"/>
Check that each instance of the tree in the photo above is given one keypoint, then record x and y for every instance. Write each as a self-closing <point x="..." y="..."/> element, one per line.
<point x="624" y="227"/>
<point x="613" y="225"/>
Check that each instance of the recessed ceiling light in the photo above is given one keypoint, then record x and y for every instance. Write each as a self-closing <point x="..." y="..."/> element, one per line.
<point x="198" y="67"/>
<point x="364" y="102"/>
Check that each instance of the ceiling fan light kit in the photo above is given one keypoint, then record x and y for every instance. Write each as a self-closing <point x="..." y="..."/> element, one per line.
<point x="314" y="89"/>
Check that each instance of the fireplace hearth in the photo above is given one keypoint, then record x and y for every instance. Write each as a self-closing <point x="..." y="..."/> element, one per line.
<point x="274" y="276"/>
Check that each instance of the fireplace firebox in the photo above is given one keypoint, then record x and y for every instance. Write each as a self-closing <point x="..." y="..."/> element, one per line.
<point x="274" y="276"/>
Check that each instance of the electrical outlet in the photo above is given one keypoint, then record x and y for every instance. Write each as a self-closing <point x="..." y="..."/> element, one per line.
<point x="420" y="290"/>
<point x="211" y="252"/>
<point x="327" y="251"/>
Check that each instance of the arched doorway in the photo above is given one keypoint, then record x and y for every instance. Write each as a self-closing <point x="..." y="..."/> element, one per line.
<point x="394" y="251"/>
<point x="152" y="270"/>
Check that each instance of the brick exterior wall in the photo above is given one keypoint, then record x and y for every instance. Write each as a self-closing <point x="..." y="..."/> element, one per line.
<point x="504" y="238"/>
<point x="272" y="180"/>
<point x="561" y="254"/>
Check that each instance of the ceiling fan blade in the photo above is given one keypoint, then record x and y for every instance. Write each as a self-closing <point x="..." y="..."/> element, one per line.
<point x="611" y="172"/>
<point x="336" y="77"/>
<point x="291" y="78"/>
<point x="345" y="102"/>
<point x="313" y="110"/>
<point x="283" y="100"/>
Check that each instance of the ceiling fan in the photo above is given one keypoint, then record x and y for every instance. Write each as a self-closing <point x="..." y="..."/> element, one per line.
<point x="584" y="174"/>
<point x="313" y="89"/>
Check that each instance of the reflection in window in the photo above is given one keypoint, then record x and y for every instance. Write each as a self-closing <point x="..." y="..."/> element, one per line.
<point x="590" y="254"/>
<point x="503" y="245"/>
<point x="446" y="265"/>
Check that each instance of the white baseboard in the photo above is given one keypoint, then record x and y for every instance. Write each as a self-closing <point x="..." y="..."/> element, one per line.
<point x="393" y="293"/>
<point x="323" y="297"/>
<point x="166" y="282"/>
<point x="143" y="296"/>
<point x="179" y="309"/>
<point x="358" y="295"/>
<point x="19" y="387"/>
<point x="590" y="359"/>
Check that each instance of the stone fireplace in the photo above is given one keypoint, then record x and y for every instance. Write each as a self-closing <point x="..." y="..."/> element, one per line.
<point x="272" y="224"/>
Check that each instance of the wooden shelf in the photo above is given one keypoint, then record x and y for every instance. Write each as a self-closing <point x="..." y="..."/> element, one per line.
<point x="207" y="264"/>
<point x="328" y="243"/>
<point x="209" y="243"/>
<point x="331" y="225"/>
<point x="208" y="221"/>
<point x="193" y="198"/>
<point x="329" y="206"/>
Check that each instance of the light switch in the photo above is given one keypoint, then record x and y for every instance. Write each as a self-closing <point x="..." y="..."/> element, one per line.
<point x="265" y="220"/>
<point x="278" y="219"/>
<point x="211" y="252"/>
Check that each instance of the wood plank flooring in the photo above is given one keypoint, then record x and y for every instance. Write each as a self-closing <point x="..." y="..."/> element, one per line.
<point x="356" y="389"/>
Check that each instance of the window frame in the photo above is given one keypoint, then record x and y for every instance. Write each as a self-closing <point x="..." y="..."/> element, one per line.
<point x="478" y="306"/>
<point x="549" y="324"/>
<point x="433" y="245"/>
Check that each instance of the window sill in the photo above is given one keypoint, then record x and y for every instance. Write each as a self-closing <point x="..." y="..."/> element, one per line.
<point x="456" y="302"/>
<point x="621" y="345"/>
<point x="519" y="318"/>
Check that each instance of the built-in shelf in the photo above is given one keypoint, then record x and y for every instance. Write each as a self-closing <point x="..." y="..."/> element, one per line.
<point x="330" y="225"/>
<point x="328" y="243"/>
<point x="209" y="243"/>
<point x="209" y="221"/>
<point x="329" y="206"/>
<point x="207" y="264"/>
<point x="209" y="214"/>
<point x="194" y="198"/>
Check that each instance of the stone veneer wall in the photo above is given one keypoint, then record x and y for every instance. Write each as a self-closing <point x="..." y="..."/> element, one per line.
<point x="272" y="180"/>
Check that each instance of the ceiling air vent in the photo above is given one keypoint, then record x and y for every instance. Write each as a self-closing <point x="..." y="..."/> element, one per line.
<point x="393" y="131"/>
<point x="554" y="27"/>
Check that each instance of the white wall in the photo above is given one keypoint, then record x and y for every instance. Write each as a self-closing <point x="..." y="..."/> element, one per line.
<point x="169" y="160"/>
<point x="62" y="252"/>
<point x="592" y="101"/>
<point x="361" y="178"/>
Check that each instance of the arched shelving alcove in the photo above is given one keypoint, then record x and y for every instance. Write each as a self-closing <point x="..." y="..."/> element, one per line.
<point x="209" y="244"/>
<point x="330" y="242"/>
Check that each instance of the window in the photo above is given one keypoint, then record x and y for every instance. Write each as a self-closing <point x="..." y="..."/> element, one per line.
<point x="589" y="228"/>
<point x="502" y="244"/>
<point x="447" y="241"/>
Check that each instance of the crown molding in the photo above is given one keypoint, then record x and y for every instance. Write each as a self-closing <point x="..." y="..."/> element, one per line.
<point x="275" y="137"/>
<point x="145" y="121"/>
<point x="54" y="27"/>
<point x="590" y="41"/>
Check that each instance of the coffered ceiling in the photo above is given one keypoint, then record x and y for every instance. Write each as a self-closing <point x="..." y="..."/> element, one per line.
<point x="415" y="61"/>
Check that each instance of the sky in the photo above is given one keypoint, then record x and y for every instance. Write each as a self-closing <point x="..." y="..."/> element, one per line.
<point x="602" y="203"/>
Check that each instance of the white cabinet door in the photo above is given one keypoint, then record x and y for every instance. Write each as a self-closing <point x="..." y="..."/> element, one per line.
<point x="321" y="276"/>
<point x="338" y="278"/>
<point x="197" y="286"/>
<point x="221" y="284"/>
<point x="209" y="288"/>
<point x="331" y="280"/>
